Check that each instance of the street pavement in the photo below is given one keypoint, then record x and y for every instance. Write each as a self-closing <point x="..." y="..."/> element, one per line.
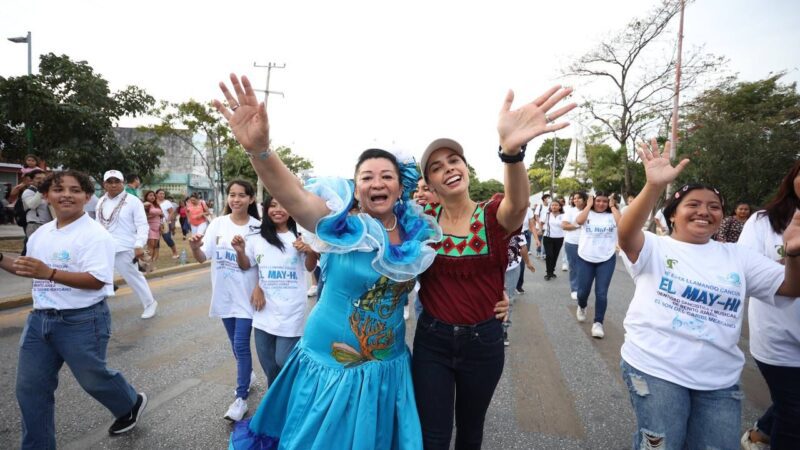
<point x="560" y="389"/>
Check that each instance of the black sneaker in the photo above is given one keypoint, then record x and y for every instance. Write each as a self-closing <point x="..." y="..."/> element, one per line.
<point x="128" y="421"/>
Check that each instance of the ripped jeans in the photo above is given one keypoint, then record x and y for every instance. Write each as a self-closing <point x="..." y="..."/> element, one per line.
<point x="670" y="416"/>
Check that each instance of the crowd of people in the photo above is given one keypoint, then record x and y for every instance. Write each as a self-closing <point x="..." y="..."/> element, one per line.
<point x="389" y="237"/>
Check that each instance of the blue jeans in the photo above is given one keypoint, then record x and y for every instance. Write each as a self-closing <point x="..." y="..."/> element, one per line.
<point x="78" y="337"/>
<point x="168" y="239"/>
<point x="273" y="351"/>
<point x="600" y="274"/>
<point x="239" y="334"/>
<point x="670" y="416"/>
<point x="510" y="283"/>
<point x="455" y="368"/>
<point x="782" y="420"/>
<point x="571" y="250"/>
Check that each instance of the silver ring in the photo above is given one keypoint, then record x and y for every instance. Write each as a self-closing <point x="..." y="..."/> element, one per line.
<point x="548" y="119"/>
<point x="233" y="108"/>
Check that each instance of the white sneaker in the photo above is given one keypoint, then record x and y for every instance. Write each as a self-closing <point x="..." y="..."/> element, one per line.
<point x="747" y="444"/>
<point x="597" y="330"/>
<point x="564" y="267"/>
<point x="150" y="311"/>
<point x="573" y="295"/>
<point x="312" y="291"/>
<point x="237" y="410"/>
<point x="581" y="314"/>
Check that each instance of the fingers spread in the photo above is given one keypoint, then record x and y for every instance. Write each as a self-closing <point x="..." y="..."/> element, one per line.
<point x="226" y="113"/>
<point x="561" y="111"/>
<point x="549" y="93"/>
<point x="248" y="89"/>
<point x="507" y="101"/>
<point x="550" y="102"/>
<point x="237" y="87"/>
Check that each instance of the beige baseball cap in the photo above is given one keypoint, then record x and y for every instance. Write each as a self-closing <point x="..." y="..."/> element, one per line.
<point x="436" y="145"/>
<point x="113" y="174"/>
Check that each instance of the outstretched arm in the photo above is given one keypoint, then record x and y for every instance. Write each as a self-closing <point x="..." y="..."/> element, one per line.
<point x="659" y="173"/>
<point x="516" y="128"/>
<point x="247" y="118"/>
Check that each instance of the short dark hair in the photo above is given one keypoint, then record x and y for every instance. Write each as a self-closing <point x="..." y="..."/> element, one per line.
<point x="33" y="173"/>
<point x="131" y="177"/>
<point x="544" y="196"/>
<point x="56" y="178"/>
<point x="375" y="153"/>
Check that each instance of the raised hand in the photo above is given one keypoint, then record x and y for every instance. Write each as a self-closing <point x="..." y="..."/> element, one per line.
<point x="657" y="167"/>
<point x="519" y="126"/>
<point x="246" y="116"/>
<point x="238" y="243"/>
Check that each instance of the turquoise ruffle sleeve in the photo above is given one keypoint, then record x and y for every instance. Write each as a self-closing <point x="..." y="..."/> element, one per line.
<point x="342" y="232"/>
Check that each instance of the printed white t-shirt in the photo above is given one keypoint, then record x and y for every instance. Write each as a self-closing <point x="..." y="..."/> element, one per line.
<point x="82" y="246"/>
<point x="282" y="277"/>
<point x="552" y="227"/>
<point x="684" y="322"/>
<point x="231" y="287"/>
<point x="572" y="236"/>
<point x="774" y="329"/>
<point x="598" y="240"/>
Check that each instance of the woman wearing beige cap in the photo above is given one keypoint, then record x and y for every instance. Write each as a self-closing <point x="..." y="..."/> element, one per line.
<point x="458" y="346"/>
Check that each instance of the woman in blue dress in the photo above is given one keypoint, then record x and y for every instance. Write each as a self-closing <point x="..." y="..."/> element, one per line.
<point x="347" y="384"/>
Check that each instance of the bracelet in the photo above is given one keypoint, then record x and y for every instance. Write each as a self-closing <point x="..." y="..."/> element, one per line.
<point x="52" y="275"/>
<point x="262" y="155"/>
<point x="511" y="159"/>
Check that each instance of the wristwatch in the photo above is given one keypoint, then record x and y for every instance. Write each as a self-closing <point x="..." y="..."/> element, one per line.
<point x="511" y="159"/>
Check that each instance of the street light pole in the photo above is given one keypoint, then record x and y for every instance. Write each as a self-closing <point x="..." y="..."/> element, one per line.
<point x="22" y="40"/>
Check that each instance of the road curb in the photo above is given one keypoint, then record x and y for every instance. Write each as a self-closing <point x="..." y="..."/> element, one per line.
<point x="23" y="300"/>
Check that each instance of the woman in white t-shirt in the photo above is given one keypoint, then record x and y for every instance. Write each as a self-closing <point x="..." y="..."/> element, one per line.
<point x="775" y="329"/>
<point x="572" y="236"/>
<point x="231" y="286"/>
<point x="680" y="359"/>
<point x="552" y="238"/>
<point x="597" y="256"/>
<point x="279" y="299"/>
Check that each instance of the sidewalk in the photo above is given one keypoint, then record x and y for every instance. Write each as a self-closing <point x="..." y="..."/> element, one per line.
<point x="11" y="232"/>
<point x="16" y="291"/>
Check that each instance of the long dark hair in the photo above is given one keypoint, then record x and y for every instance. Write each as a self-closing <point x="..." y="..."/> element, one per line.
<point x="781" y="208"/>
<point x="155" y="202"/>
<point x="680" y="194"/>
<point x="268" y="230"/>
<point x="249" y="190"/>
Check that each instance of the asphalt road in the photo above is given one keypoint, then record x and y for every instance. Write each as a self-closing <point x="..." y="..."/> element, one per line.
<point x="561" y="389"/>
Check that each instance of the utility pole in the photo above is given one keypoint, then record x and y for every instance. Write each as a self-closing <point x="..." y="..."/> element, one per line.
<point x="676" y="98"/>
<point x="266" y="91"/>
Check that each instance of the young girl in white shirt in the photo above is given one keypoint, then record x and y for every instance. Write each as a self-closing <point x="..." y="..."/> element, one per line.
<point x="597" y="256"/>
<point x="230" y="285"/>
<point x="281" y="259"/>
<point x="552" y="238"/>
<point x="680" y="359"/>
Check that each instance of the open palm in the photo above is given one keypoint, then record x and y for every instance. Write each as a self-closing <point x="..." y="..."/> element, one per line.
<point x="246" y="116"/>
<point x="657" y="167"/>
<point x="519" y="126"/>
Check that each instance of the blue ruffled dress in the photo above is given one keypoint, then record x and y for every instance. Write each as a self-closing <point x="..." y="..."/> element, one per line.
<point x="347" y="384"/>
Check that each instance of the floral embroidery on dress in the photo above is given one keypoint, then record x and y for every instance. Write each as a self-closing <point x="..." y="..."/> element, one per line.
<point x="375" y="341"/>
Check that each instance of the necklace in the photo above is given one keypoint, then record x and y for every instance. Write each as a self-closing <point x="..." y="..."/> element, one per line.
<point x="392" y="228"/>
<point x="108" y="222"/>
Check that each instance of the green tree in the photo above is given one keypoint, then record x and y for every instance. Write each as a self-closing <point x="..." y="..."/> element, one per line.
<point x="236" y="164"/>
<point x="539" y="179"/>
<point x="742" y="137"/>
<point x="70" y="112"/>
<point x="544" y="155"/>
<point x="484" y="190"/>
<point x="200" y="126"/>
